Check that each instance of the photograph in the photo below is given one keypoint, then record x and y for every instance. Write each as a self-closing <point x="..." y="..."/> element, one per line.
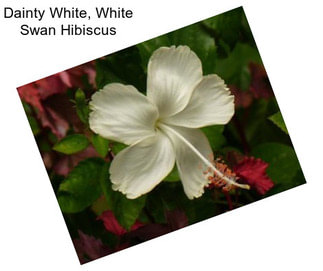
<point x="161" y="135"/>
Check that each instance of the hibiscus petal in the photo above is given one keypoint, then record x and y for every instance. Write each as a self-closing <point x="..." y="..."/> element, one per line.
<point x="137" y="169"/>
<point x="173" y="74"/>
<point x="211" y="104"/>
<point x="121" y="113"/>
<point x="190" y="165"/>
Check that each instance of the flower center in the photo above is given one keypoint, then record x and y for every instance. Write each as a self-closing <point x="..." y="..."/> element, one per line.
<point x="157" y="123"/>
<point x="215" y="180"/>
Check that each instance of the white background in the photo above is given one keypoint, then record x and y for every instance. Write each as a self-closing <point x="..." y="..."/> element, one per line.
<point x="283" y="232"/>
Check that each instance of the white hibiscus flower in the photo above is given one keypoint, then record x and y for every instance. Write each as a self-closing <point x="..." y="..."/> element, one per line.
<point x="162" y="127"/>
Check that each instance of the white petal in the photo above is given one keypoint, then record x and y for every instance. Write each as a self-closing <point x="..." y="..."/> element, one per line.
<point x="190" y="165"/>
<point x="211" y="104"/>
<point x="173" y="73"/>
<point x="139" y="168"/>
<point x="121" y="113"/>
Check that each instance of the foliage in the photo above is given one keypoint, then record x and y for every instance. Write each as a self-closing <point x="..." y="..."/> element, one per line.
<point x="81" y="187"/>
<point x="71" y="144"/>
<point x="255" y="142"/>
<point x="277" y="119"/>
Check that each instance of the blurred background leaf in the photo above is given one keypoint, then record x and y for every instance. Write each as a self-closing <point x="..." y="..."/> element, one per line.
<point x="81" y="187"/>
<point x="82" y="108"/>
<point x="234" y="69"/>
<point x="117" y="147"/>
<point x="215" y="136"/>
<point x="173" y="176"/>
<point x="71" y="144"/>
<point x="100" y="144"/>
<point x="283" y="164"/>
<point x="278" y="120"/>
<point x="121" y="67"/>
<point x="229" y="28"/>
<point x="193" y="36"/>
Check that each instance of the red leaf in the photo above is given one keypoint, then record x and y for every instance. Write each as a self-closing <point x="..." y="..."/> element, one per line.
<point x="253" y="172"/>
<point x="241" y="98"/>
<point x="29" y="93"/>
<point x="176" y="219"/>
<point x="112" y="225"/>
<point x="66" y="163"/>
<point x="260" y="85"/>
<point x="73" y="77"/>
<point x="51" y="119"/>
<point x="148" y="232"/>
<point x="50" y="85"/>
<point x="89" y="248"/>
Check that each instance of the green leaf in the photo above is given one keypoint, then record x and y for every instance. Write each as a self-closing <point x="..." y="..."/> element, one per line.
<point x="27" y="108"/>
<point x="278" y="120"/>
<point x="71" y="144"/>
<point x="34" y="125"/>
<point x="32" y="121"/>
<point x="228" y="28"/>
<point x="170" y="196"/>
<point x="148" y="47"/>
<point x="173" y="176"/>
<point x="100" y="144"/>
<point x="215" y="136"/>
<point x="283" y="164"/>
<point x="81" y="187"/>
<point x="82" y="108"/>
<point x="117" y="147"/>
<point x="193" y="36"/>
<point x="125" y="210"/>
<point x="122" y="67"/>
<point x="234" y="69"/>
<point x="256" y="126"/>
<point x="44" y="145"/>
<point x="100" y="205"/>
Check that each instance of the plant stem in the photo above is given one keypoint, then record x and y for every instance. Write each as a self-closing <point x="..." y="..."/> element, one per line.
<point x="228" y="197"/>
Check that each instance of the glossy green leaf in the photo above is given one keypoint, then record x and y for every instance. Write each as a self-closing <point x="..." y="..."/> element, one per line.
<point x="127" y="211"/>
<point x="100" y="144"/>
<point x="34" y="125"/>
<point x="215" y="136"/>
<point x="71" y="144"/>
<point x="257" y="128"/>
<point x="117" y="147"/>
<point x="100" y="205"/>
<point x="32" y="120"/>
<point x="82" y="108"/>
<point x="227" y="29"/>
<point x="234" y="69"/>
<point x="122" y="67"/>
<point x="283" y="164"/>
<point x="173" y="176"/>
<point x="278" y="120"/>
<point x="27" y="108"/>
<point x="81" y="187"/>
